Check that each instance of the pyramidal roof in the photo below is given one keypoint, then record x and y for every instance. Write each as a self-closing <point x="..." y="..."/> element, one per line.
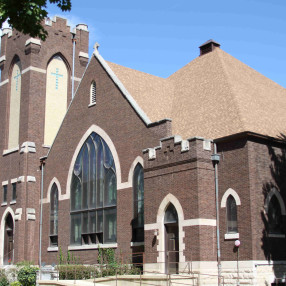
<point x="213" y="96"/>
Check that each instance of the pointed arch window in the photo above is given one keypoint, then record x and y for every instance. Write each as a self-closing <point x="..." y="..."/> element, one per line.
<point x="93" y="194"/>
<point x="274" y="216"/>
<point x="92" y="100"/>
<point x="231" y="213"/>
<point x="57" y="79"/>
<point x="138" y="205"/>
<point x="15" y="103"/>
<point x="171" y="215"/>
<point x="54" y="215"/>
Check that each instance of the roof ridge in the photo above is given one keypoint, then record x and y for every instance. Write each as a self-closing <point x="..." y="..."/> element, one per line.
<point x="220" y="52"/>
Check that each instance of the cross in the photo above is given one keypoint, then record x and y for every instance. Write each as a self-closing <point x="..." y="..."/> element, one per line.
<point x="16" y="77"/>
<point x="57" y="75"/>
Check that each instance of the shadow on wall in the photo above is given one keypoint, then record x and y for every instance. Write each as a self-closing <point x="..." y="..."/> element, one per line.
<point x="273" y="216"/>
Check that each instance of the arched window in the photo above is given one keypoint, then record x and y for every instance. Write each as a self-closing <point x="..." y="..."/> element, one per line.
<point x="274" y="216"/>
<point x="54" y="215"/>
<point x="171" y="215"/>
<point x="92" y="100"/>
<point x="15" y="102"/>
<point x="93" y="194"/>
<point x="231" y="214"/>
<point x="138" y="207"/>
<point x="56" y="97"/>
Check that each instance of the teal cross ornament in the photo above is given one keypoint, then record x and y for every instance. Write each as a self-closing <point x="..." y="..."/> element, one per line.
<point x="17" y="77"/>
<point x="57" y="75"/>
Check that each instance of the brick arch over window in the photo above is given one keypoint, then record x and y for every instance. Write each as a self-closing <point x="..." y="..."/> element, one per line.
<point x="274" y="192"/>
<point x="169" y="199"/>
<point x="227" y="194"/>
<point x="2" y="230"/>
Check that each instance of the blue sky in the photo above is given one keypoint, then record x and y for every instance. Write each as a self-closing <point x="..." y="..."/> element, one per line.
<point x="159" y="37"/>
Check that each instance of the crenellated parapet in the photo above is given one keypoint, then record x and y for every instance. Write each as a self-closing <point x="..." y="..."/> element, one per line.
<point x="58" y="32"/>
<point x="174" y="150"/>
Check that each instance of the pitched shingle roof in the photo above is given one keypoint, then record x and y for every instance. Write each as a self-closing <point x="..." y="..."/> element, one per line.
<point x="213" y="96"/>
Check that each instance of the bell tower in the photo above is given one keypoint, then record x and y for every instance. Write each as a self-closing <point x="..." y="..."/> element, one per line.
<point x="35" y="92"/>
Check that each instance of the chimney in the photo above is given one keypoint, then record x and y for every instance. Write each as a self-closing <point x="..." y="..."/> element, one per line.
<point x="208" y="47"/>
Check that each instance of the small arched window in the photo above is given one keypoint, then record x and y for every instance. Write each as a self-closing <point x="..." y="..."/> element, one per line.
<point x="231" y="214"/>
<point x="138" y="207"/>
<point x="92" y="93"/>
<point x="54" y="216"/>
<point x="171" y="215"/>
<point x="274" y="216"/>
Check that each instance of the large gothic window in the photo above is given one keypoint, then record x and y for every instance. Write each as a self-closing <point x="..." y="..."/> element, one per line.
<point x="56" y="97"/>
<point x="231" y="213"/>
<point x="54" y="216"/>
<point x="138" y="207"/>
<point x="15" y="102"/>
<point x="274" y="216"/>
<point x="93" y="194"/>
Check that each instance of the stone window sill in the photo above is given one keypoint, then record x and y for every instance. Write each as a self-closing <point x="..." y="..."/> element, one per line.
<point x="92" y="104"/>
<point x="276" y="235"/>
<point x="137" y="243"/>
<point x="229" y="236"/>
<point x="4" y="204"/>
<point x="52" y="248"/>
<point x="12" y="202"/>
<point x="9" y="151"/>
<point x="46" y="146"/>
<point x="92" y="246"/>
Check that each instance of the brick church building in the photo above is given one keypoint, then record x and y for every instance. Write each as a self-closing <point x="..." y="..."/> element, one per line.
<point x="130" y="162"/>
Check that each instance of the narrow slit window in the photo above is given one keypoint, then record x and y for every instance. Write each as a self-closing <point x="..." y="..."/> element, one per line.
<point x="54" y="216"/>
<point x="14" y="192"/>
<point x="231" y="212"/>
<point x="5" y="194"/>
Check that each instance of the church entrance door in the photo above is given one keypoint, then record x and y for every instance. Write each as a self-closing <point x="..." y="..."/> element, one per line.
<point x="172" y="248"/>
<point x="171" y="240"/>
<point x="8" y="240"/>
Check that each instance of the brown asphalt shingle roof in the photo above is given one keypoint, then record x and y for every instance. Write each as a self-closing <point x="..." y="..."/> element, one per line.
<point x="213" y="96"/>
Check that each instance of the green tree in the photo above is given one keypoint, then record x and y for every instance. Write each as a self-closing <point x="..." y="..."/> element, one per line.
<point x="27" y="15"/>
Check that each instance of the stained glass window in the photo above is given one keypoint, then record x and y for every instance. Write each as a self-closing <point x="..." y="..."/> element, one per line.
<point x="231" y="213"/>
<point x="93" y="194"/>
<point x="54" y="216"/>
<point x="138" y="208"/>
<point x="274" y="216"/>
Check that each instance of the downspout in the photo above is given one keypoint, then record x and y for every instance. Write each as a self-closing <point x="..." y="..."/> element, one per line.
<point x="73" y="60"/>
<point x="42" y="161"/>
<point x="215" y="159"/>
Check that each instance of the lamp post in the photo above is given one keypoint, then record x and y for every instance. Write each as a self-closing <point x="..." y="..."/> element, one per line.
<point x="237" y="244"/>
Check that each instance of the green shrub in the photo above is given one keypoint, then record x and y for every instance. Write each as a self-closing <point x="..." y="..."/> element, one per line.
<point x="77" y="272"/>
<point x="3" y="278"/>
<point x="15" y="283"/>
<point x="27" y="276"/>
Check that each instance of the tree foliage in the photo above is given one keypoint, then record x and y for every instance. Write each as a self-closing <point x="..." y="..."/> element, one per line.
<point x="27" y="15"/>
